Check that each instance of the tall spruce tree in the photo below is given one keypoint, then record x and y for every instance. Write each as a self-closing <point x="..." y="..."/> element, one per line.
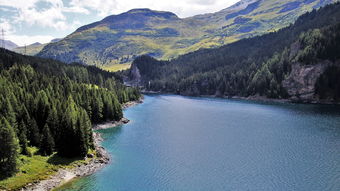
<point x="47" y="142"/>
<point x="8" y="148"/>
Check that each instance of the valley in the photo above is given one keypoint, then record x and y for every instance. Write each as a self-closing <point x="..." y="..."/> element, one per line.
<point x="245" y="98"/>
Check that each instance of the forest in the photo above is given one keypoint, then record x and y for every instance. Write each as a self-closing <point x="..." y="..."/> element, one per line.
<point x="254" y="66"/>
<point x="51" y="106"/>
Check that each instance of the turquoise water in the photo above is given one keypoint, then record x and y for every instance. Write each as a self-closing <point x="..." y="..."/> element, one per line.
<point x="181" y="143"/>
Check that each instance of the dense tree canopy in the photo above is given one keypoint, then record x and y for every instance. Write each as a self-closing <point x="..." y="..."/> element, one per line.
<point x="52" y="106"/>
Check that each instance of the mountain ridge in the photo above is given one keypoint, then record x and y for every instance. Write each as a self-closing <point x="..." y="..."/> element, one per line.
<point x="9" y="44"/>
<point x="118" y="39"/>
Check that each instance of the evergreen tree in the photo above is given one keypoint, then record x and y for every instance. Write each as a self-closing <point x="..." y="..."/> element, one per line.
<point x="34" y="135"/>
<point x="8" y="148"/>
<point x="47" y="142"/>
<point x="23" y="138"/>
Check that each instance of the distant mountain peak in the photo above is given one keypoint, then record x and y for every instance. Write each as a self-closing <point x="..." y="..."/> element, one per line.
<point x="147" y="10"/>
<point x="35" y="44"/>
<point x="143" y="12"/>
<point x="132" y="19"/>
<point x="9" y="44"/>
<point x="55" y="40"/>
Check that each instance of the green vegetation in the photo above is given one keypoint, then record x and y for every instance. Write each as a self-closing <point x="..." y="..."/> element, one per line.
<point x="255" y="66"/>
<point x="51" y="106"/>
<point x="119" y="39"/>
<point x="31" y="50"/>
<point x="328" y="85"/>
<point x="36" y="167"/>
<point x="116" y="67"/>
<point x="8" y="149"/>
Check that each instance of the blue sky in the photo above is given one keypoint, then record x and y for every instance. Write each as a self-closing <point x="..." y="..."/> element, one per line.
<point x="29" y="21"/>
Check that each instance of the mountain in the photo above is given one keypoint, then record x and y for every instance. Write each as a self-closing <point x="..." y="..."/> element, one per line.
<point x="34" y="48"/>
<point x="118" y="39"/>
<point x="300" y="62"/>
<point x="9" y="45"/>
<point x="31" y="49"/>
<point x="55" y="40"/>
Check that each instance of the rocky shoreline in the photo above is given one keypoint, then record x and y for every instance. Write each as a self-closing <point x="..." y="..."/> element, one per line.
<point x="92" y="165"/>
<point x="111" y="124"/>
<point x="65" y="175"/>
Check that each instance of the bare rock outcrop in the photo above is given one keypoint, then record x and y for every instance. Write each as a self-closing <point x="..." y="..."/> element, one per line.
<point x="300" y="84"/>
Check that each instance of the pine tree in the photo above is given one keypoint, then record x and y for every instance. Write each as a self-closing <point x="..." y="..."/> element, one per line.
<point x="8" y="148"/>
<point x="23" y="138"/>
<point x="67" y="142"/>
<point x="81" y="145"/>
<point x="47" y="142"/>
<point x="52" y="121"/>
<point x="33" y="132"/>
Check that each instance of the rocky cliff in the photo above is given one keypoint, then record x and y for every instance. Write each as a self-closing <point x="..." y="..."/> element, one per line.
<point x="300" y="84"/>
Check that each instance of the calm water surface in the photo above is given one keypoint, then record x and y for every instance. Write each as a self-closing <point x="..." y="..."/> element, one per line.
<point x="181" y="143"/>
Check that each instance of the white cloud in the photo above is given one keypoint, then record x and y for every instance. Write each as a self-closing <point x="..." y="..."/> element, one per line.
<point x="76" y="10"/>
<point x="46" y="18"/>
<point x="23" y="40"/>
<point x="103" y="7"/>
<point x="183" y="8"/>
<point x="6" y="26"/>
<point x="51" y="16"/>
<point x="18" y="3"/>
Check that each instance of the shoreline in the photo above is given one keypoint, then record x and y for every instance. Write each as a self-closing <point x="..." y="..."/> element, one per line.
<point x="65" y="175"/>
<point x="252" y="98"/>
<point x="94" y="164"/>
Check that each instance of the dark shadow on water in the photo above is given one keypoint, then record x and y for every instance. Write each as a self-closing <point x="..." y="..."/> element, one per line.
<point x="301" y="108"/>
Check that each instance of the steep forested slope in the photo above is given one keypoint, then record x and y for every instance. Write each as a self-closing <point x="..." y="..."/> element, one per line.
<point x="283" y="64"/>
<point x="51" y="105"/>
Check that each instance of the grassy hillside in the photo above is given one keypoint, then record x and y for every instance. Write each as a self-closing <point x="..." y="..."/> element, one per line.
<point x="36" y="168"/>
<point x="118" y="39"/>
<point x="30" y="50"/>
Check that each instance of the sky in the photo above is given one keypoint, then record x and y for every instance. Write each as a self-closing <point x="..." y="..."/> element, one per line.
<point x="28" y="21"/>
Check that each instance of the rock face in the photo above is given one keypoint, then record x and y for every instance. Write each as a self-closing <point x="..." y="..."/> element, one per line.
<point x="135" y="74"/>
<point x="300" y="84"/>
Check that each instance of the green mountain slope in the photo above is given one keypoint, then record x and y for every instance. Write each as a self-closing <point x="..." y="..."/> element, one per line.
<point x="300" y="62"/>
<point x="32" y="49"/>
<point x="118" y="39"/>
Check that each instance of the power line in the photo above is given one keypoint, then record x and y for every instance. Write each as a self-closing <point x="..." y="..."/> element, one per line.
<point x="3" y="38"/>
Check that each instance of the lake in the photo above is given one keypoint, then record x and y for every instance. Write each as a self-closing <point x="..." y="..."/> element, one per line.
<point x="184" y="143"/>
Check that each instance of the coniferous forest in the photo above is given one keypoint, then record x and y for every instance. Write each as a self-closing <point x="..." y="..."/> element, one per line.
<point x="52" y="106"/>
<point x="254" y="66"/>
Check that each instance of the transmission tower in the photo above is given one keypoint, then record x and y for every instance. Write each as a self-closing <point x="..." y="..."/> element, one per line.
<point x="3" y="38"/>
